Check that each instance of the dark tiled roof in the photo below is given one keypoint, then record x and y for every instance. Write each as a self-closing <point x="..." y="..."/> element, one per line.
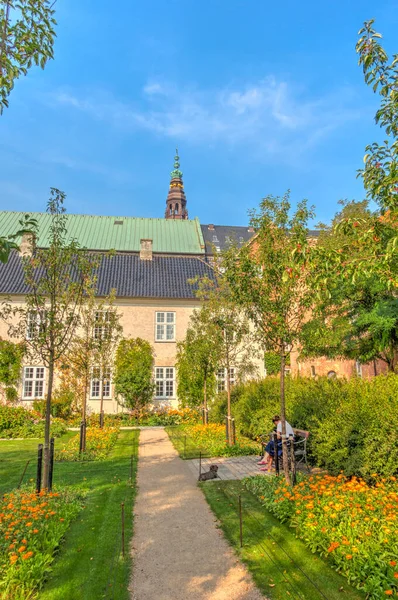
<point x="162" y="277"/>
<point x="220" y="236"/>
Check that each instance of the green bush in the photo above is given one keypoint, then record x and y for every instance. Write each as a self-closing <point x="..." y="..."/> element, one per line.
<point x="61" y="404"/>
<point x="19" y="422"/>
<point x="353" y="424"/>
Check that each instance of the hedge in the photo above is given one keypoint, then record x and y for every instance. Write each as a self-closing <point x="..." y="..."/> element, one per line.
<point x="353" y="424"/>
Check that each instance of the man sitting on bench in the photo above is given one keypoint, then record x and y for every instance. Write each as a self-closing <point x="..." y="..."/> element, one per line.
<point x="270" y="447"/>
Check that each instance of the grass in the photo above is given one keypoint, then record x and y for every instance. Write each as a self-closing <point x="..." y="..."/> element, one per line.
<point x="275" y="557"/>
<point x="90" y="563"/>
<point x="213" y="444"/>
<point x="14" y="455"/>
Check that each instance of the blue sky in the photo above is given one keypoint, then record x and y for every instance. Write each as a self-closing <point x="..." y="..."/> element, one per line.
<point x="259" y="96"/>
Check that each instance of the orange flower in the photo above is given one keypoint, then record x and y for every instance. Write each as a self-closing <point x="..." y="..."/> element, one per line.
<point x="22" y="549"/>
<point x="27" y="555"/>
<point x="392" y="563"/>
<point x="396" y="575"/>
<point x="388" y="592"/>
<point x="348" y="556"/>
<point x="13" y="558"/>
<point x="35" y="531"/>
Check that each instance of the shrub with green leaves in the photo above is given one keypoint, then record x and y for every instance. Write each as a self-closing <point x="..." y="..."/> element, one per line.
<point x="353" y="424"/>
<point x="19" y="422"/>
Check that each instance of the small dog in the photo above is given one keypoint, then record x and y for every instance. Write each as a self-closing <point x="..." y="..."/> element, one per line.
<point x="211" y="474"/>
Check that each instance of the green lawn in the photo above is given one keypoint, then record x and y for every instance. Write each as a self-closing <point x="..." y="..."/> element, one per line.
<point x="14" y="455"/>
<point x="90" y="563"/>
<point x="281" y="564"/>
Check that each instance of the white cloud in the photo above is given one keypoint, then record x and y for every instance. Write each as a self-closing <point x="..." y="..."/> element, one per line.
<point x="269" y="118"/>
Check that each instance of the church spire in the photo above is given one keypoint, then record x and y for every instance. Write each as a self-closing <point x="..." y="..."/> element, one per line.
<point x="176" y="202"/>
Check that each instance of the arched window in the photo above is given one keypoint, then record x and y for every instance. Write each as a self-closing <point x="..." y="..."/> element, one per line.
<point x="171" y="209"/>
<point x="176" y="210"/>
<point x="332" y="374"/>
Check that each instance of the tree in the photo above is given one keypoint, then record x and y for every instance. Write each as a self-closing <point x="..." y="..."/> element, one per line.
<point x="227" y="329"/>
<point x="267" y="279"/>
<point x="380" y="175"/>
<point x="28" y="226"/>
<point x="11" y="356"/>
<point x="56" y="278"/>
<point x="133" y="376"/>
<point x="107" y="334"/>
<point x="26" y="38"/>
<point x="375" y="240"/>
<point x="355" y="319"/>
<point x="197" y="362"/>
<point x="93" y="346"/>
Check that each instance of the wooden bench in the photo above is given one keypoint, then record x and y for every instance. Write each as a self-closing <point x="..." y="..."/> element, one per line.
<point x="300" y="445"/>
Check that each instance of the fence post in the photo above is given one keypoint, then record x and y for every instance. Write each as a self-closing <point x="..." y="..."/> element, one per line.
<point x="122" y="528"/>
<point x="101" y="419"/>
<point x="227" y="429"/>
<point x="240" y="521"/>
<point x="185" y="446"/>
<point x="293" y="462"/>
<point x="200" y="465"/>
<point x="276" y="454"/>
<point x="23" y="474"/>
<point x="131" y="468"/>
<point x="51" y="469"/>
<point x="39" y="466"/>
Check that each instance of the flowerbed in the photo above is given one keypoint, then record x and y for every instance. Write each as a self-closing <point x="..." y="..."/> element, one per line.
<point x="31" y="528"/>
<point x="19" y="422"/>
<point x="353" y="524"/>
<point x="210" y="440"/>
<point x="98" y="443"/>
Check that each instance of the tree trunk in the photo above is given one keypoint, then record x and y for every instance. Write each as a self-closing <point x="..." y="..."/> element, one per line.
<point x="283" y="417"/>
<point x="46" y="453"/>
<point x="84" y="412"/>
<point x="205" y="401"/>
<point x="102" y="401"/>
<point x="375" y="367"/>
<point x="230" y="440"/>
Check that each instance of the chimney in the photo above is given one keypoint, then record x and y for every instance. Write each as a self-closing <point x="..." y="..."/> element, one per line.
<point x="210" y="227"/>
<point x="27" y="245"/>
<point x="146" y="250"/>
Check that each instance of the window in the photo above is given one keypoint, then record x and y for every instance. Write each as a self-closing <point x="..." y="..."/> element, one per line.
<point x="35" y="323"/>
<point x="165" y="327"/>
<point x="222" y="379"/>
<point x="313" y="371"/>
<point x="33" y="382"/>
<point x="241" y="240"/>
<point x="101" y="325"/>
<point x="332" y="374"/>
<point x="215" y="239"/>
<point x="97" y="382"/>
<point x="164" y="379"/>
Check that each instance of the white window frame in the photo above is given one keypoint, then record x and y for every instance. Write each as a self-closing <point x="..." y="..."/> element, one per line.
<point x="34" y="320"/>
<point x="101" y="328"/>
<point x="36" y="376"/>
<point x="165" y="326"/>
<point x="97" y="383"/>
<point x="165" y="384"/>
<point x="222" y="378"/>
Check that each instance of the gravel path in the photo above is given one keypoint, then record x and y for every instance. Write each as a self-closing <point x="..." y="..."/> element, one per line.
<point x="178" y="552"/>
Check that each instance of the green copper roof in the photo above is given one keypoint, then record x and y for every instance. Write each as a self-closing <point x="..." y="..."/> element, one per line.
<point x="170" y="236"/>
<point x="176" y="173"/>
